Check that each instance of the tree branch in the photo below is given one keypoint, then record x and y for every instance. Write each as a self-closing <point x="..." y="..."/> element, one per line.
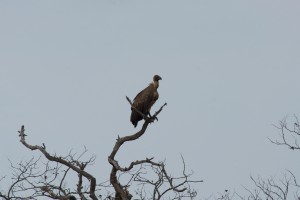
<point x="124" y="195"/>
<point x="288" y="134"/>
<point x="60" y="160"/>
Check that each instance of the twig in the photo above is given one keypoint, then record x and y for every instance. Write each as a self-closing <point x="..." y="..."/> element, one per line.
<point x="61" y="161"/>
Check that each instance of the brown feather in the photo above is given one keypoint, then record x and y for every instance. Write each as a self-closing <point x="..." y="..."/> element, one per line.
<point x="143" y="102"/>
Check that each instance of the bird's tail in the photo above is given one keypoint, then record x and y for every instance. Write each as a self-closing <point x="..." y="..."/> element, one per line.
<point x="135" y="118"/>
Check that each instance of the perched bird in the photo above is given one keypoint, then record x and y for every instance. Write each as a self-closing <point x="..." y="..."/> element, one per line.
<point x="144" y="101"/>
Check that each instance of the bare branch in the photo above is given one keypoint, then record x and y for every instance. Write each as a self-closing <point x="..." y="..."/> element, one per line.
<point x="120" y="190"/>
<point x="165" y="183"/>
<point x="151" y="119"/>
<point x="272" y="189"/>
<point x="31" y="181"/>
<point x="62" y="161"/>
<point x="288" y="134"/>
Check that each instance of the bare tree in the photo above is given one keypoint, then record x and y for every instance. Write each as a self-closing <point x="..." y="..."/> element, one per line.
<point x="32" y="179"/>
<point x="178" y="185"/>
<point x="47" y="175"/>
<point x="225" y="195"/>
<point x="289" y="133"/>
<point x="273" y="188"/>
<point x="285" y="187"/>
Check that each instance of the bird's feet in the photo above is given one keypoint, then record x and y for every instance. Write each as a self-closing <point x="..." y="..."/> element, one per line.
<point x="152" y="118"/>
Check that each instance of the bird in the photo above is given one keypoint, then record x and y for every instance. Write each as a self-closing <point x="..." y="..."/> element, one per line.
<point x="144" y="101"/>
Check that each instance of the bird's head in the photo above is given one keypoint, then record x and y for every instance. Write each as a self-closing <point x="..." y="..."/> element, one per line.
<point x="156" y="78"/>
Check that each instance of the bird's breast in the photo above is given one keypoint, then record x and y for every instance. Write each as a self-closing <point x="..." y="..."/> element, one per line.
<point x="155" y="96"/>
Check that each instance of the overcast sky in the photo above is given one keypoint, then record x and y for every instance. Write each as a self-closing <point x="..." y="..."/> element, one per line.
<point x="230" y="69"/>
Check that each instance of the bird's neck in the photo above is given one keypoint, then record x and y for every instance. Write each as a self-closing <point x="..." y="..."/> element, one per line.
<point x="155" y="84"/>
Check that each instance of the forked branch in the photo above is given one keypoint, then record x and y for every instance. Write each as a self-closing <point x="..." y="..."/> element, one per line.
<point x="289" y="134"/>
<point x="121" y="191"/>
<point x="75" y="165"/>
<point x="146" y="118"/>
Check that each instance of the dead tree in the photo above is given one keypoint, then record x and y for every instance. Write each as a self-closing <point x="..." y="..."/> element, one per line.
<point x="289" y="134"/>
<point x="47" y="175"/>
<point x="177" y="185"/>
<point x="279" y="188"/>
<point x="30" y="180"/>
<point x="273" y="188"/>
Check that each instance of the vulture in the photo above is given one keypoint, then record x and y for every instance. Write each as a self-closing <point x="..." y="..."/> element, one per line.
<point x="144" y="101"/>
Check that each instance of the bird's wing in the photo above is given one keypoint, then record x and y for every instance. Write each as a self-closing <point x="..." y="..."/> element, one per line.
<point x="143" y="98"/>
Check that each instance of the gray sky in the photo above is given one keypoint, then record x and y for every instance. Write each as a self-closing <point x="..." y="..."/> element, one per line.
<point x="230" y="70"/>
